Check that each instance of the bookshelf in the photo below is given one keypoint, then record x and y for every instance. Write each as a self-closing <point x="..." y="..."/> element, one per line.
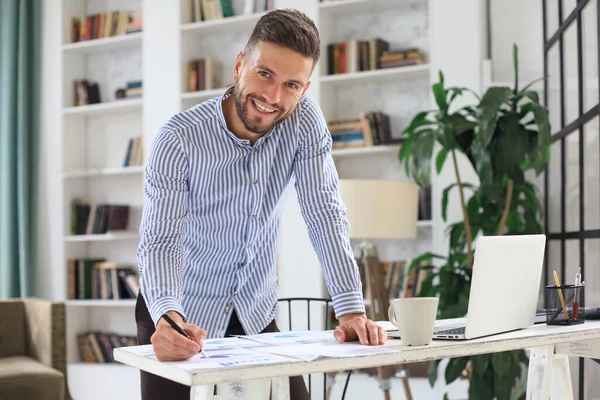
<point x="99" y="119"/>
<point x="360" y="86"/>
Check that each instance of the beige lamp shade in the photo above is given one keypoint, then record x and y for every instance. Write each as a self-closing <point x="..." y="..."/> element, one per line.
<point x="381" y="209"/>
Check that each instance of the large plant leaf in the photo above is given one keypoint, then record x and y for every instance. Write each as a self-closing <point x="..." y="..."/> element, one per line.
<point x="483" y="166"/>
<point x="516" y="67"/>
<point x="488" y="108"/>
<point x="455" y="368"/>
<point x="422" y="149"/>
<point x="481" y="387"/>
<point x="512" y="143"/>
<point x="540" y="113"/>
<point x="460" y="124"/>
<point x="432" y="371"/>
<point x="427" y="289"/>
<point x="503" y="386"/>
<point x="419" y="120"/>
<point x="440" y="160"/>
<point x="440" y="93"/>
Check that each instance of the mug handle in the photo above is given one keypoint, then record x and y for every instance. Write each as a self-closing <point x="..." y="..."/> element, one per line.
<point x="392" y="315"/>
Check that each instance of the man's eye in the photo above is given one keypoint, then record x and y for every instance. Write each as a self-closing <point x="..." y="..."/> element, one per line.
<point x="264" y="74"/>
<point x="292" y="86"/>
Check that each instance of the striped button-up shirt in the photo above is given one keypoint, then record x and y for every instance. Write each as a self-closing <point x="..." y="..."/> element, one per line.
<point x="210" y="224"/>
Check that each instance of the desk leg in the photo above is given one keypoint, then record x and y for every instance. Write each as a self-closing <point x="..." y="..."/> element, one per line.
<point x="538" y="376"/>
<point x="280" y="388"/>
<point x="561" y="386"/>
<point x="202" y="392"/>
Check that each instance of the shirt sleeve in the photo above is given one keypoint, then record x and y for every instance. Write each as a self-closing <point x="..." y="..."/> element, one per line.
<point x="317" y="185"/>
<point x="165" y="208"/>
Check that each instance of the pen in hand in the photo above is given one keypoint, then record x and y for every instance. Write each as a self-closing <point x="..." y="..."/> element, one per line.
<point x="180" y="330"/>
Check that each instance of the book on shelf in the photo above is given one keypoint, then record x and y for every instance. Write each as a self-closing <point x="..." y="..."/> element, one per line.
<point x="134" y="89"/>
<point x="90" y="218"/>
<point x="204" y="74"/>
<point x="369" y="129"/>
<point x="97" y="346"/>
<point x="86" y="92"/>
<point x="134" y="153"/>
<point x="368" y="55"/>
<point x="104" y="25"/>
<point x="209" y="10"/>
<point x="99" y="279"/>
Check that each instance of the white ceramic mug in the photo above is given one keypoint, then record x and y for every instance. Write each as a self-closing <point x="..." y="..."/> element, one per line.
<point x="415" y="319"/>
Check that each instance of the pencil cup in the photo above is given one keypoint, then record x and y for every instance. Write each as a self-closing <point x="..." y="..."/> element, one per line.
<point x="564" y="305"/>
<point x="415" y="319"/>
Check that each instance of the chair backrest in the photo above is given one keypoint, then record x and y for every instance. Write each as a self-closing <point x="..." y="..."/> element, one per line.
<point x="12" y="329"/>
<point x="307" y="313"/>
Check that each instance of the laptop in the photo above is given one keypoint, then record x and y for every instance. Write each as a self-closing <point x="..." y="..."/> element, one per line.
<point x="505" y="286"/>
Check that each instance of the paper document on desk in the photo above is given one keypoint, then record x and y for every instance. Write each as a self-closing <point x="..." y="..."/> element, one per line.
<point x="229" y="343"/>
<point x="291" y="337"/>
<point x="330" y="349"/>
<point x="228" y="358"/>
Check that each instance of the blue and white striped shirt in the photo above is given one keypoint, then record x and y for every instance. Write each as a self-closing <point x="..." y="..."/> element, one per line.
<point x="210" y="224"/>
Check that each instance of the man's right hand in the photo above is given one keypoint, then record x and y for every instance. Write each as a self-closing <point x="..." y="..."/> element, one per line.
<point x="170" y="345"/>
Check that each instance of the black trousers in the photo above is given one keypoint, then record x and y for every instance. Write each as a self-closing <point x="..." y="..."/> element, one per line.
<point x="154" y="387"/>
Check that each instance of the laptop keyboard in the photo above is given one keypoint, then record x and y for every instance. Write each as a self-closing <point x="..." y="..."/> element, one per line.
<point x="453" y="331"/>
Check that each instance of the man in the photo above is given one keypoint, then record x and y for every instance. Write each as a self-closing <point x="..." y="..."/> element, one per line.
<point x="215" y="182"/>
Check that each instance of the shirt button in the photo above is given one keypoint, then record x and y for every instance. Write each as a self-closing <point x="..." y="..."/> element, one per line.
<point x="235" y="295"/>
<point x="226" y="310"/>
<point x="248" y="245"/>
<point x="255" y="150"/>
<point x="252" y="217"/>
<point x="254" y="181"/>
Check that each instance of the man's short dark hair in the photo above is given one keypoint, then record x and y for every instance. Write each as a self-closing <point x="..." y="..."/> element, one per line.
<point x="287" y="28"/>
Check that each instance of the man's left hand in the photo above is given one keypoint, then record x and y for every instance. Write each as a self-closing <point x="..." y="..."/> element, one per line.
<point x="358" y="326"/>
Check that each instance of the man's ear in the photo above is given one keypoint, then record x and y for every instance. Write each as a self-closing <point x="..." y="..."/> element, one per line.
<point x="306" y="87"/>
<point x="237" y="67"/>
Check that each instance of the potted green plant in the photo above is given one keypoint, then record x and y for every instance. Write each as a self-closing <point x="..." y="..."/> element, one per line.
<point x="505" y="136"/>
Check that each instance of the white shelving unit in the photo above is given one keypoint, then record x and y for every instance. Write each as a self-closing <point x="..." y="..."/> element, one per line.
<point x="399" y="92"/>
<point x="92" y="145"/>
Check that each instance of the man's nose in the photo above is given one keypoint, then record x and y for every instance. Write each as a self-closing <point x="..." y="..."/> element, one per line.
<point x="273" y="93"/>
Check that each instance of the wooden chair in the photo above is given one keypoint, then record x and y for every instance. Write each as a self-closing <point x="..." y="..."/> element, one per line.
<point x="324" y="306"/>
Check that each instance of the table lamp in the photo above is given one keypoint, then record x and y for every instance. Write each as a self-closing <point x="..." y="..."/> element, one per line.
<point x="381" y="209"/>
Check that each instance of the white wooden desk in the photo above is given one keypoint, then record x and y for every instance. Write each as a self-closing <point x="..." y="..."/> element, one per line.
<point x="548" y="366"/>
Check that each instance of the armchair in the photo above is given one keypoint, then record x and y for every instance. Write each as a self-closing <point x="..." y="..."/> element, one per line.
<point x="32" y="350"/>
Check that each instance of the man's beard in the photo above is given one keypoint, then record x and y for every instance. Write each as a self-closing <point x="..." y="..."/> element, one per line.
<point x="242" y="112"/>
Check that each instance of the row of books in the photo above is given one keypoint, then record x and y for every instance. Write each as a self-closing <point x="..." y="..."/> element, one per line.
<point x="204" y="74"/>
<point x="103" y="25"/>
<point x="90" y="218"/>
<point x="370" y="129"/>
<point x="97" y="347"/>
<point x="367" y="55"/>
<point x="134" y="155"/>
<point x="207" y="10"/>
<point x="397" y="282"/>
<point x="88" y="91"/>
<point x="99" y="279"/>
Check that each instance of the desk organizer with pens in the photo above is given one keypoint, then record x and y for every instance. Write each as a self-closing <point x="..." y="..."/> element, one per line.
<point x="564" y="305"/>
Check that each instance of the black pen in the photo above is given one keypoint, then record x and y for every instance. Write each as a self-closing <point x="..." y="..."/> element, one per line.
<point x="176" y="326"/>
<point x="180" y="330"/>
